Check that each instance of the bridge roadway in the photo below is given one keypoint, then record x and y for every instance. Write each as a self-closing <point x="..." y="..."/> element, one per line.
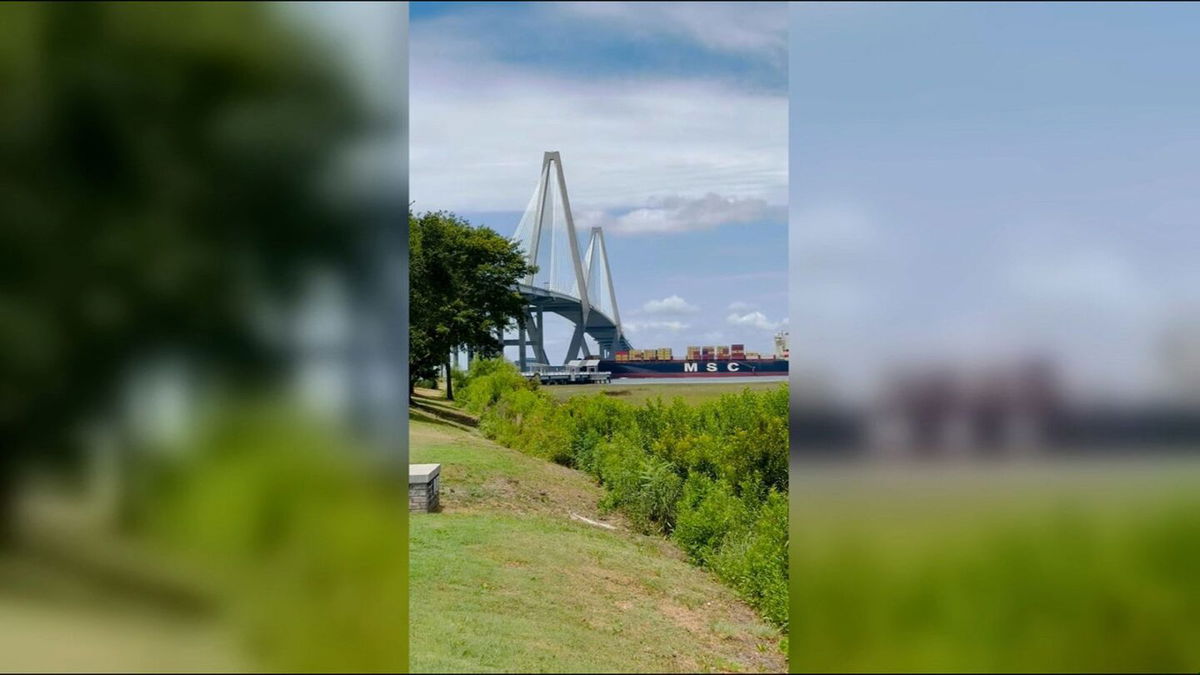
<point x="599" y="326"/>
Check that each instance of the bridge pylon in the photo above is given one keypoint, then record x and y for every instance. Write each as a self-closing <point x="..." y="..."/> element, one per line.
<point x="576" y="287"/>
<point x="601" y="294"/>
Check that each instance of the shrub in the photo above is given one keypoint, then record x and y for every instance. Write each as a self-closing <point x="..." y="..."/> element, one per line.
<point x="753" y="559"/>
<point x="487" y="380"/>
<point x="459" y="377"/>
<point x="656" y="494"/>
<point x="712" y="476"/>
<point x="708" y="511"/>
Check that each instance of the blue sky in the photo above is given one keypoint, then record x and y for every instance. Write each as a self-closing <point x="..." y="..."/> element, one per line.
<point x="975" y="181"/>
<point x="677" y="112"/>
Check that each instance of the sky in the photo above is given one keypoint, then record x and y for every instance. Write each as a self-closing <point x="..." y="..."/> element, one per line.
<point x="972" y="182"/>
<point x="672" y="123"/>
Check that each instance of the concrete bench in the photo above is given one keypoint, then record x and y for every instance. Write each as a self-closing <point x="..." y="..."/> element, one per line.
<point x="423" y="487"/>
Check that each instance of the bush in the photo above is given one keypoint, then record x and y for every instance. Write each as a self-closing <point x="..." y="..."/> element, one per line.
<point x="753" y="558"/>
<point x="486" y="380"/>
<point x="712" y="476"/>
<point x="459" y="378"/>
<point x="707" y="512"/>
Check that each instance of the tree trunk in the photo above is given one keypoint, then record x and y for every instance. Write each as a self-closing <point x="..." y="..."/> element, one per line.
<point x="8" y="505"/>
<point x="449" y="381"/>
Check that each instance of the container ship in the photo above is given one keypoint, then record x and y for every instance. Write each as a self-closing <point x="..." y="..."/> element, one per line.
<point x="713" y="361"/>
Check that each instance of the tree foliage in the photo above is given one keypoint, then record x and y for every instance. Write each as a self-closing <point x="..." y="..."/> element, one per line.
<point x="461" y="282"/>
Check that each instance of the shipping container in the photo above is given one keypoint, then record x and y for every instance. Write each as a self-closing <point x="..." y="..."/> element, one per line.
<point x="739" y="348"/>
<point x="708" y="353"/>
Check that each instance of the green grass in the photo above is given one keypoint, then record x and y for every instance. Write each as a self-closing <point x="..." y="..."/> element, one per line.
<point x="690" y="392"/>
<point x="1053" y="566"/>
<point x="503" y="580"/>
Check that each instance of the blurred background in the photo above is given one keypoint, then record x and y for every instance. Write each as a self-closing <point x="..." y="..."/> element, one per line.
<point x="203" y="346"/>
<point x="996" y="365"/>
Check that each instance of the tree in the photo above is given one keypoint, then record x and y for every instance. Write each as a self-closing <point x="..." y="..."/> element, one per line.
<point x="161" y="172"/>
<point x="461" y="281"/>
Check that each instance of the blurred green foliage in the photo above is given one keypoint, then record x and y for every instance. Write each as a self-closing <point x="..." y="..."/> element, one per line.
<point x="303" y="544"/>
<point x="163" y="174"/>
<point x="712" y="476"/>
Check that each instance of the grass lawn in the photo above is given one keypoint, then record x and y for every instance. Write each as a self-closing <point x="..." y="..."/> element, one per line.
<point x="503" y="580"/>
<point x="1060" y="566"/>
<point x="691" y="392"/>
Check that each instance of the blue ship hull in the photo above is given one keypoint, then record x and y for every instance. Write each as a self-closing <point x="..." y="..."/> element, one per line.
<point x="698" y="368"/>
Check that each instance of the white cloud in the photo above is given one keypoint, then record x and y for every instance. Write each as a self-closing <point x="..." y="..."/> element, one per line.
<point x="672" y="304"/>
<point x="478" y="128"/>
<point x="682" y="214"/>
<point x="755" y="319"/>
<point x="646" y="326"/>
<point x="665" y="215"/>
<point x="745" y="28"/>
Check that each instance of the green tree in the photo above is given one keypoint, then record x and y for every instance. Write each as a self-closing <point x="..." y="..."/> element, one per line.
<point x="161" y="172"/>
<point x="461" y="282"/>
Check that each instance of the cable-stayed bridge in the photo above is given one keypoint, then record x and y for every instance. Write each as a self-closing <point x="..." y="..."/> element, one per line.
<point x="576" y="287"/>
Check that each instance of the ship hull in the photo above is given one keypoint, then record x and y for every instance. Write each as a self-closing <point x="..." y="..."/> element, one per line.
<point x="715" y="368"/>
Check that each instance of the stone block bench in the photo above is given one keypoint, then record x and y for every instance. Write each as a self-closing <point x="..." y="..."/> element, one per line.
<point x="423" y="487"/>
